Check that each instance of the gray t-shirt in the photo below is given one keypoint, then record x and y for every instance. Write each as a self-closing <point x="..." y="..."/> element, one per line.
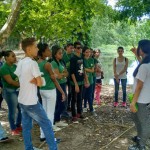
<point x="144" y="76"/>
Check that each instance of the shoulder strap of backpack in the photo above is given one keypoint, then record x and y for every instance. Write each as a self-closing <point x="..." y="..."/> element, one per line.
<point x="115" y="60"/>
<point x="125" y="59"/>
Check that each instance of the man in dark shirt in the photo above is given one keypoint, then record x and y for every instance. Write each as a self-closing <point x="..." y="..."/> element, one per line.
<point x="77" y="81"/>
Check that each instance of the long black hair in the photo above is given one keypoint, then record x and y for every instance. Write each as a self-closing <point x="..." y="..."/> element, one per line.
<point x="144" y="46"/>
<point x="55" y="49"/>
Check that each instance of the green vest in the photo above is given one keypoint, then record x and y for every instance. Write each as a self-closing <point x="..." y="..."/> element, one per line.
<point x="49" y="83"/>
<point x="89" y="63"/>
<point x="8" y="70"/>
<point x="61" y="68"/>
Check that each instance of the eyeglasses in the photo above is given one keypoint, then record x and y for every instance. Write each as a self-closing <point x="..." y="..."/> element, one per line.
<point x="78" y="47"/>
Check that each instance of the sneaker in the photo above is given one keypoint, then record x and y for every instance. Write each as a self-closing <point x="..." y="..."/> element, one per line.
<point x="84" y="110"/>
<point x="93" y="113"/>
<point x="74" y="119"/>
<point x="55" y="128"/>
<point x="135" y="139"/>
<point x="6" y="139"/>
<point x="42" y="139"/>
<point x="19" y="128"/>
<point x="136" y="147"/>
<point x="57" y="140"/>
<point x="115" y="104"/>
<point x="15" y="132"/>
<point x="80" y="116"/>
<point x="36" y="148"/>
<point x="65" y="115"/>
<point x="61" y="124"/>
<point x="124" y="104"/>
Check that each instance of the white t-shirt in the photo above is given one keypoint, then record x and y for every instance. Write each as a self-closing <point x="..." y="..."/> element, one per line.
<point x="143" y="75"/>
<point x="26" y="70"/>
<point x="119" y="67"/>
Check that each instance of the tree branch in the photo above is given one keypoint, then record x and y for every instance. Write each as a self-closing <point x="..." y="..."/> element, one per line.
<point x="11" y="21"/>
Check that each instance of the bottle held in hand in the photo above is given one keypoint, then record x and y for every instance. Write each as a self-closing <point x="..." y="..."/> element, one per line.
<point x="130" y="97"/>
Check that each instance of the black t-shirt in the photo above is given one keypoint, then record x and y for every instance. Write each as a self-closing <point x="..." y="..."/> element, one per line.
<point x="77" y="68"/>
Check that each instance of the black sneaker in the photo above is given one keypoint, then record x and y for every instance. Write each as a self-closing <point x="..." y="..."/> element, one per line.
<point x="136" y="147"/>
<point x="135" y="139"/>
<point x="6" y="139"/>
<point x="42" y="139"/>
<point x="56" y="139"/>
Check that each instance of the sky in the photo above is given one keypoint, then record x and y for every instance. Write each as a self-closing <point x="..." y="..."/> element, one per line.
<point x="112" y="2"/>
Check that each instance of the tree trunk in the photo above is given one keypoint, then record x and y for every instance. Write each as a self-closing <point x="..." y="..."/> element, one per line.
<point x="11" y="21"/>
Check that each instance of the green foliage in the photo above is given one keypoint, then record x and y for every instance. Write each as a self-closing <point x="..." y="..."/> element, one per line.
<point x="4" y="11"/>
<point x="58" y="21"/>
<point x="133" y="9"/>
<point x="121" y="33"/>
<point x="91" y="21"/>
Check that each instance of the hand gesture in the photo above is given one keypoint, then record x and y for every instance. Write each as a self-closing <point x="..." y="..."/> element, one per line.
<point x="134" y="51"/>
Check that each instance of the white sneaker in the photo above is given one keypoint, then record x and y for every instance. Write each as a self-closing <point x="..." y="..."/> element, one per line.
<point x="36" y="148"/>
<point x="61" y="124"/>
<point x="84" y="109"/>
<point x="55" y="128"/>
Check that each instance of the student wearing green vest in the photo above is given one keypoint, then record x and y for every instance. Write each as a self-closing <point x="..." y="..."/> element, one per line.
<point x="61" y="75"/>
<point x="66" y="59"/>
<point x="89" y="70"/>
<point x="10" y="85"/>
<point x="48" y="91"/>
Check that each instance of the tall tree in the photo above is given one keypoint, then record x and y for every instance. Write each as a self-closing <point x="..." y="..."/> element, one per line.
<point x="11" y="21"/>
<point x="134" y="9"/>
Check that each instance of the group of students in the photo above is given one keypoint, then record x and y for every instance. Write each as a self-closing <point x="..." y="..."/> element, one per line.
<point x="46" y="74"/>
<point x="79" y="71"/>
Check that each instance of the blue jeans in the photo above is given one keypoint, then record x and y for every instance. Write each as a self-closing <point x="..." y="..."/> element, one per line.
<point x="124" y="85"/>
<point x="11" y="97"/>
<point x="2" y="132"/>
<point x="88" y="97"/>
<point x="61" y="107"/>
<point x="37" y="113"/>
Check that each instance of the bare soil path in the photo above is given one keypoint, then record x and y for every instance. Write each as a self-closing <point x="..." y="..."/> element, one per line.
<point x="112" y="129"/>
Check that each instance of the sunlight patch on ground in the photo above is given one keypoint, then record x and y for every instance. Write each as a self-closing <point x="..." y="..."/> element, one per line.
<point x="4" y="123"/>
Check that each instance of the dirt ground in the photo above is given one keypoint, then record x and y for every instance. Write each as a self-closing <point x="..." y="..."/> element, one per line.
<point x="112" y="129"/>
